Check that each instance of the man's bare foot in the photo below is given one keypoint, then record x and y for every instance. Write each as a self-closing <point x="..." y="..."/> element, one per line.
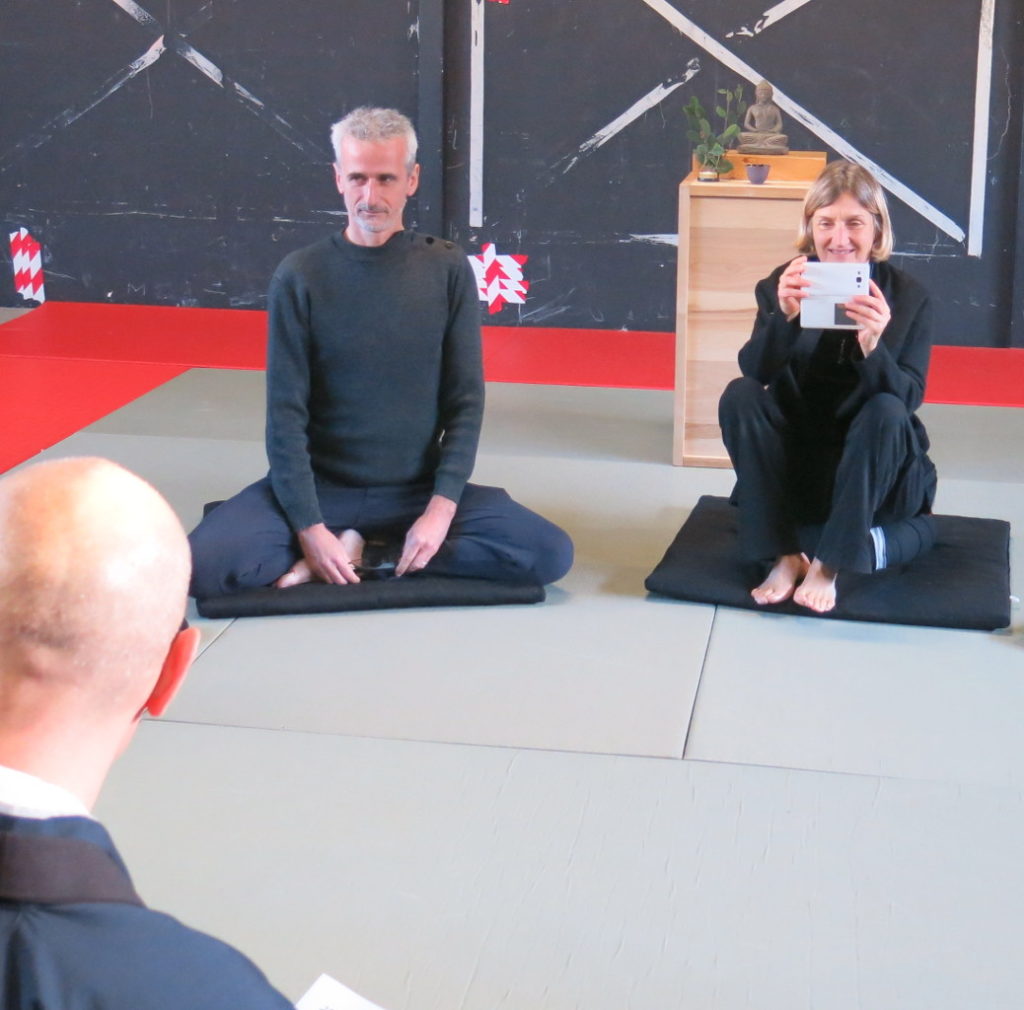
<point x="818" y="590"/>
<point x="300" y="572"/>
<point x="787" y="571"/>
<point x="353" y="542"/>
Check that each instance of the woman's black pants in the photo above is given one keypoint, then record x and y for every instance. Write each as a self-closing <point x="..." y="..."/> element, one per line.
<point x="874" y="474"/>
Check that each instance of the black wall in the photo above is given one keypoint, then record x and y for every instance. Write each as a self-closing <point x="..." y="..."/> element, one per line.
<point x="174" y="189"/>
<point x="167" y="187"/>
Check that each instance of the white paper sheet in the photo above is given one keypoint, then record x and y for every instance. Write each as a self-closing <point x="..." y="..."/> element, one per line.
<point x="328" y="993"/>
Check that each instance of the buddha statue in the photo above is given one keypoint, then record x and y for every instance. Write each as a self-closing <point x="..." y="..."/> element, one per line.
<point x="762" y="126"/>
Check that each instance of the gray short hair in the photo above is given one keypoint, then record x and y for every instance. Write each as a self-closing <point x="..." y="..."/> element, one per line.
<point x="367" y="123"/>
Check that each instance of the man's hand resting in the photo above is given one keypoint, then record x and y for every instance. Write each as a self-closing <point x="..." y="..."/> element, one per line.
<point x="426" y="535"/>
<point x="327" y="559"/>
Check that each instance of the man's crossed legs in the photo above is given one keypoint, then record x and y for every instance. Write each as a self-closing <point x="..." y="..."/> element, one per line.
<point x="246" y="542"/>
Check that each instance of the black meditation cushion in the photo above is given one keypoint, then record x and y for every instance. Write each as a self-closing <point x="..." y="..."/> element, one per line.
<point x="962" y="582"/>
<point x="420" y="590"/>
<point x="373" y="593"/>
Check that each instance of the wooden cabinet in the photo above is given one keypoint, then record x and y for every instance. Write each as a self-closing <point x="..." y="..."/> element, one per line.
<point x="731" y="234"/>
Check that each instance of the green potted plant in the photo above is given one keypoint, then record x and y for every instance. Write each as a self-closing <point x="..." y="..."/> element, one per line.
<point x="711" y="147"/>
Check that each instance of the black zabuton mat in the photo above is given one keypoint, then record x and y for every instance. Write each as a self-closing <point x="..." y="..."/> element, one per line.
<point x="408" y="591"/>
<point x="962" y="582"/>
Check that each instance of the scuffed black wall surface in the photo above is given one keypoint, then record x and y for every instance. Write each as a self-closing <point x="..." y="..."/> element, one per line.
<point x="177" y="189"/>
<point x="896" y="81"/>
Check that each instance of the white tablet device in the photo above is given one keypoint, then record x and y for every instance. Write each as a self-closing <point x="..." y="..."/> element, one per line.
<point x="832" y="284"/>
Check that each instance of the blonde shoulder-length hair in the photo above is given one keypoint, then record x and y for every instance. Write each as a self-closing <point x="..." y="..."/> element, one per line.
<point x="837" y="178"/>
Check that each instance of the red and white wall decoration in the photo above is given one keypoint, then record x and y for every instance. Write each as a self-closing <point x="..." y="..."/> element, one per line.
<point x="27" y="260"/>
<point x="499" y="278"/>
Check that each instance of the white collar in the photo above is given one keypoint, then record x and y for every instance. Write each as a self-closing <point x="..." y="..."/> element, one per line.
<point x="24" y="795"/>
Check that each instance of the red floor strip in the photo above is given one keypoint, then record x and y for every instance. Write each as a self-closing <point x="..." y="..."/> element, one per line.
<point x="44" y="400"/>
<point x="974" y="376"/>
<point x="195" y="338"/>
<point x="67" y="364"/>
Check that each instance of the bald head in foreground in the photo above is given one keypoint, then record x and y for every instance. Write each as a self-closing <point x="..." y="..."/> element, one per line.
<point x="94" y="570"/>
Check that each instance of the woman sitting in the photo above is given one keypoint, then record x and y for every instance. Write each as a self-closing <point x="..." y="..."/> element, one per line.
<point x="832" y="471"/>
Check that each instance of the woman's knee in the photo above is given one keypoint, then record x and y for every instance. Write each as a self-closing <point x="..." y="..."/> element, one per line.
<point x="883" y="412"/>
<point x="739" y="398"/>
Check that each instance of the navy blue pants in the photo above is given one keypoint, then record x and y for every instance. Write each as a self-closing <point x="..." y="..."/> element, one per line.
<point x="246" y="542"/>
<point x="876" y="474"/>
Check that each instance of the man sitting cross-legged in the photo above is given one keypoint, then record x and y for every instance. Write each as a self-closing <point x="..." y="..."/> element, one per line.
<point x="374" y="404"/>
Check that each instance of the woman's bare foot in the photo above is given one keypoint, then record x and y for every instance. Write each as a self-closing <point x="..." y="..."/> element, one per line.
<point x="788" y="570"/>
<point x="300" y="572"/>
<point x="818" y="589"/>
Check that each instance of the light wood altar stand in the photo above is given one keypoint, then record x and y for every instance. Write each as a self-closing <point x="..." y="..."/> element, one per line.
<point x="731" y="234"/>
